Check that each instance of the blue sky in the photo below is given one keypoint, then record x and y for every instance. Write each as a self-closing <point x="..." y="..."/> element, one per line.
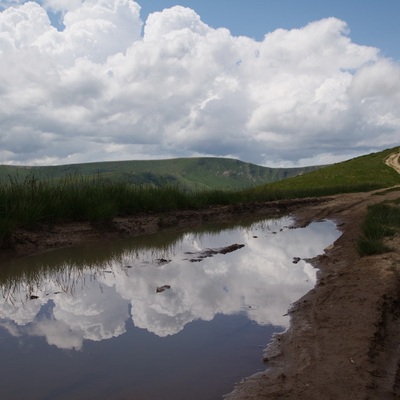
<point x="371" y="22"/>
<point x="277" y="83"/>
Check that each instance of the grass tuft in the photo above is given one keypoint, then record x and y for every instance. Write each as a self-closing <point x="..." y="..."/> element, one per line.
<point x="382" y="221"/>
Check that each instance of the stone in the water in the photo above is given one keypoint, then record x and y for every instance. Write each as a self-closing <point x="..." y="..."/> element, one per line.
<point x="162" y="261"/>
<point x="212" y="252"/>
<point x="161" y="289"/>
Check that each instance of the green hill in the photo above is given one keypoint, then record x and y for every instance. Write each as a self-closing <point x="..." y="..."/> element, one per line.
<point x="358" y="174"/>
<point x="188" y="173"/>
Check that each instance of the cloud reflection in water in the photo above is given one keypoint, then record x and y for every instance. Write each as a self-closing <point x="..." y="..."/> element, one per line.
<point x="94" y="303"/>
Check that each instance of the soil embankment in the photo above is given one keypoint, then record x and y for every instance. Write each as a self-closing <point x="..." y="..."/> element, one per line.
<point x="47" y="237"/>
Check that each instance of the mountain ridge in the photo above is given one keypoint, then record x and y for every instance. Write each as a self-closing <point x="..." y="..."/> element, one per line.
<point x="195" y="173"/>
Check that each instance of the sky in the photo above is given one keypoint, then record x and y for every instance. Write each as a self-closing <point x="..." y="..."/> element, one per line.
<point x="276" y="83"/>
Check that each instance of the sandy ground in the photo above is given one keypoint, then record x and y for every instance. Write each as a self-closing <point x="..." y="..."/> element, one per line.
<point x="343" y="341"/>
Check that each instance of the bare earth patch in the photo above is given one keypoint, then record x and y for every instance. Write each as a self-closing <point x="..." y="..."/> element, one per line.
<point x="394" y="161"/>
<point x="344" y="334"/>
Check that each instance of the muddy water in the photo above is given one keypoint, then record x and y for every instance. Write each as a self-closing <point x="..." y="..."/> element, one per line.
<point x="169" y="316"/>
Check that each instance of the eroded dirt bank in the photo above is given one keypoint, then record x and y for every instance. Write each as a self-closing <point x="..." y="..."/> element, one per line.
<point x="344" y="338"/>
<point x="344" y="334"/>
<point x="47" y="237"/>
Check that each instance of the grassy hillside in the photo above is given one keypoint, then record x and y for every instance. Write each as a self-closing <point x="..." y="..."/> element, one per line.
<point x="188" y="173"/>
<point x="358" y="174"/>
<point x="29" y="202"/>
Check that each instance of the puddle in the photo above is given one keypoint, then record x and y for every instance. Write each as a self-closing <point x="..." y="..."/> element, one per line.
<point x="166" y="316"/>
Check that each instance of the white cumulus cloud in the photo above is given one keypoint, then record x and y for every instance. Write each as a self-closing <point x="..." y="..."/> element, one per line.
<point x="112" y="86"/>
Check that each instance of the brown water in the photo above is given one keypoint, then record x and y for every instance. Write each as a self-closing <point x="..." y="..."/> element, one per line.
<point x="153" y="317"/>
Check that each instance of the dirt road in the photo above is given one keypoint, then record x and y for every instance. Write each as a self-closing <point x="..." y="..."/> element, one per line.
<point x="394" y="161"/>
<point x="344" y="335"/>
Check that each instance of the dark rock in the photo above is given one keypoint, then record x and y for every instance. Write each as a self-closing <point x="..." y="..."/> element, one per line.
<point x="161" y="289"/>
<point x="162" y="261"/>
<point x="212" y="252"/>
<point x="231" y="248"/>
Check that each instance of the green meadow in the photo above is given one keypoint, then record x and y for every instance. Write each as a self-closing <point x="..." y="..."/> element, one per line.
<point x="359" y="174"/>
<point x="28" y="200"/>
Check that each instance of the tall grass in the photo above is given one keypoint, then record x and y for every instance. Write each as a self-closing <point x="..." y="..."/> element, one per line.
<point x="32" y="202"/>
<point x="382" y="220"/>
